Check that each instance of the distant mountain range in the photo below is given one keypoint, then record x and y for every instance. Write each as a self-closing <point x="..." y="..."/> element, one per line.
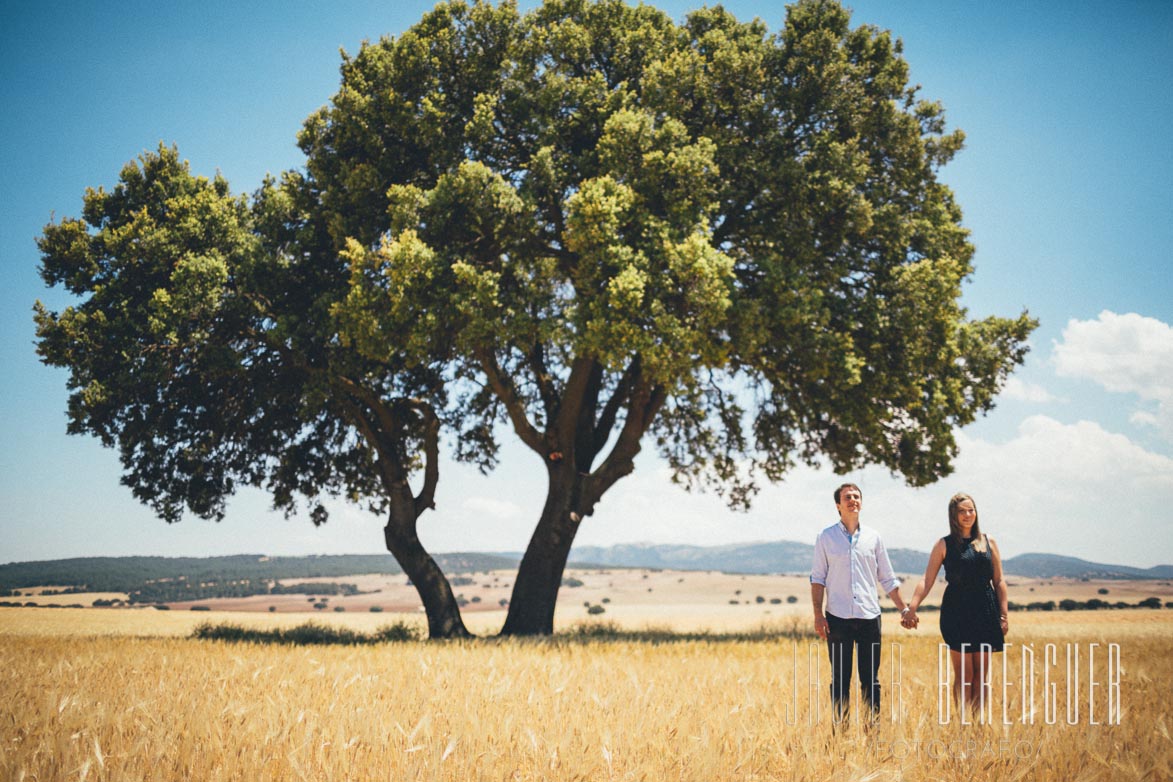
<point x="121" y="573"/>
<point x="786" y="556"/>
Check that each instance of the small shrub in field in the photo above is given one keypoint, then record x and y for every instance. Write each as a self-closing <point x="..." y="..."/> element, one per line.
<point x="792" y="599"/>
<point x="200" y="608"/>
<point x="605" y="630"/>
<point x="596" y="609"/>
<point x="311" y="634"/>
<point x="399" y="631"/>
<point x="376" y="609"/>
<point x="339" y="609"/>
<point x="308" y="634"/>
<point x="224" y="632"/>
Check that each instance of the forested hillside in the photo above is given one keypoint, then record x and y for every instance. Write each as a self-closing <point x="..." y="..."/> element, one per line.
<point x="167" y="579"/>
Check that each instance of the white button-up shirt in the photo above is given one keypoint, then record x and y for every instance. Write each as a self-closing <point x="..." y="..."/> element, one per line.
<point x="849" y="566"/>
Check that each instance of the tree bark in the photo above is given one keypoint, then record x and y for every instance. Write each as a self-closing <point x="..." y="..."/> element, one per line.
<point x="535" y="592"/>
<point x="574" y="489"/>
<point x="384" y="423"/>
<point x="440" y="606"/>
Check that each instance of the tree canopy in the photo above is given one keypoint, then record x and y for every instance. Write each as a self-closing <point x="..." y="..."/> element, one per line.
<point x="585" y="224"/>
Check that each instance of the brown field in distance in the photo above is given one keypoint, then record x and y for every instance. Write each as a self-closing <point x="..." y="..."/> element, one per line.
<point x="682" y="600"/>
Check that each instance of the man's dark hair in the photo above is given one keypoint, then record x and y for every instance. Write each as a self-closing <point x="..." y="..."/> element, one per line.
<point x="847" y="486"/>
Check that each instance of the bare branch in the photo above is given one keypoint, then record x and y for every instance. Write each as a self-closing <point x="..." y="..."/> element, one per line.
<point x="503" y="387"/>
<point x="545" y="383"/>
<point x="611" y="409"/>
<point x="645" y="405"/>
<point x="389" y="469"/>
<point x="427" y="496"/>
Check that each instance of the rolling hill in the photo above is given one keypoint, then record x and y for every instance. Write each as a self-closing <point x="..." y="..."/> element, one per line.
<point x="122" y="574"/>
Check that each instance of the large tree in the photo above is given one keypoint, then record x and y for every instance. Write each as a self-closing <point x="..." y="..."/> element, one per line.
<point x="204" y="350"/>
<point x="586" y="224"/>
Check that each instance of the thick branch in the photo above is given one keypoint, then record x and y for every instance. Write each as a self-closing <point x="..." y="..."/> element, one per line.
<point x="573" y="396"/>
<point x="503" y="387"/>
<point x="389" y="469"/>
<point x="427" y="496"/>
<point x="645" y="405"/>
<point x="610" y="410"/>
<point x="585" y="449"/>
<point x="543" y="380"/>
<point x="389" y="423"/>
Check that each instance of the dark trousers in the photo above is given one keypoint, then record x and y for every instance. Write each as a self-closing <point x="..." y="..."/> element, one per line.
<point x="859" y="638"/>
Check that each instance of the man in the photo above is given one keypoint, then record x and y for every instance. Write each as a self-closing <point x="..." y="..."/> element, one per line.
<point x="849" y="561"/>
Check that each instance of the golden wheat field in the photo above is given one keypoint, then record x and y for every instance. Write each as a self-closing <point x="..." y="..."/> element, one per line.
<point x="140" y="700"/>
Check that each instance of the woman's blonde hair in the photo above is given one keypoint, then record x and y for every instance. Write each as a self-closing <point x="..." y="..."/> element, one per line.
<point x="979" y="540"/>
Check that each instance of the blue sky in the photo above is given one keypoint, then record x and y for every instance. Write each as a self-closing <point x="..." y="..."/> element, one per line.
<point x="1065" y="184"/>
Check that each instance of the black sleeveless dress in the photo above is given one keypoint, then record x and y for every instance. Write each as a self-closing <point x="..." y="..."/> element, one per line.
<point x="969" y="609"/>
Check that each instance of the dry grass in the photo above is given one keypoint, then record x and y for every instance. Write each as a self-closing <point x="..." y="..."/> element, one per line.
<point x="120" y="706"/>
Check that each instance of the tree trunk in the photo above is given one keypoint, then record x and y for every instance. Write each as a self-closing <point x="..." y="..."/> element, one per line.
<point x="440" y="604"/>
<point x="535" y="592"/>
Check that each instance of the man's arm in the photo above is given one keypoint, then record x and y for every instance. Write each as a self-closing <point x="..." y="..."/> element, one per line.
<point x="886" y="576"/>
<point x="819" y="586"/>
<point x="817" y="592"/>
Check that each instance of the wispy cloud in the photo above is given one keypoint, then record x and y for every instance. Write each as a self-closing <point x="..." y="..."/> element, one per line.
<point x="1067" y="488"/>
<point x="1026" y="392"/>
<point x="1128" y="354"/>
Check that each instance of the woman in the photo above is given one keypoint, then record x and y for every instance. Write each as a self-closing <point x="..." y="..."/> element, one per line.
<point x="974" y="608"/>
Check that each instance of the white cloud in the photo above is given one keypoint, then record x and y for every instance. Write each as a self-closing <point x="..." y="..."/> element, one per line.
<point x="1073" y="489"/>
<point x="1129" y="354"/>
<point x="1026" y="392"/>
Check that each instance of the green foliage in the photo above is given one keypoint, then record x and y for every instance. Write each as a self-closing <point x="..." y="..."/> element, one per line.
<point x="701" y="207"/>
<point x="586" y="220"/>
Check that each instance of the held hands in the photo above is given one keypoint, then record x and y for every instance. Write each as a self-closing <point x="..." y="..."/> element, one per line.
<point x="909" y="619"/>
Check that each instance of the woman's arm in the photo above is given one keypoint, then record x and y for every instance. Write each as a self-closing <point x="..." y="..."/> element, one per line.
<point x="925" y="585"/>
<point x="1000" y="587"/>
